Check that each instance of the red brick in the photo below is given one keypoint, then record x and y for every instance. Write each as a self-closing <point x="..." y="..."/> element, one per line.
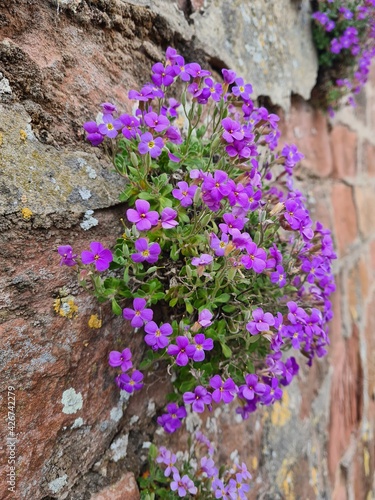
<point x="344" y="215"/>
<point x="365" y="201"/>
<point x="125" y="489"/>
<point x="346" y="395"/>
<point x="370" y="348"/>
<point x="372" y="256"/>
<point x="307" y="128"/>
<point x="344" y="151"/>
<point x="369" y="158"/>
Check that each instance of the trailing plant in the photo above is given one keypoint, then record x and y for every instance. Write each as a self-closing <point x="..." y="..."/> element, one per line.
<point x="217" y="238"/>
<point x="344" y="34"/>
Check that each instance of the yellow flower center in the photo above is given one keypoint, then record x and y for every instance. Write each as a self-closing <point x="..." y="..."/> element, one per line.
<point x="110" y="126"/>
<point x="151" y="144"/>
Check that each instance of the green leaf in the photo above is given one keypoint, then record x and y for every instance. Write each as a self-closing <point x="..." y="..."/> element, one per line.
<point x="226" y="350"/>
<point x="175" y="252"/>
<point x="189" y="307"/>
<point x="153" y="452"/>
<point x="223" y="298"/>
<point x="116" y="309"/>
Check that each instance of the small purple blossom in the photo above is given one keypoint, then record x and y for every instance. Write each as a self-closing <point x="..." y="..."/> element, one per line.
<point x="184" y="193"/>
<point x="67" y="256"/>
<point x="198" y="399"/>
<point x="142" y="217"/>
<point x="157" y="336"/>
<point x="171" y="421"/>
<point x="168" y="217"/>
<point x="151" y="145"/>
<point x="203" y="260"/>
<point x="110" y="126"/>
<point x="182" y="350"/>
<point x="225" y="391"/>
<point x="183" y="485"/>
<point x="201" y="344"/>
<point x="262" y="321"/>
<point x="130" y="383"/>
<point x="99" y="256"/>
<point x="146" y="252"/>
<point x="122" y="359"/>
<point x="139" y="315"/>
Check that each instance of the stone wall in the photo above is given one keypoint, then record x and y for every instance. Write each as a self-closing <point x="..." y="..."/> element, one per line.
<point x="77" y="438"/>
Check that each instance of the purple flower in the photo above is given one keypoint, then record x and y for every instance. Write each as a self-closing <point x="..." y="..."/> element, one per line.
<point x="198" y="399"/>
<point x="262" y="321"/>
<point x="93" y="134"/>
<point x="141" y="217"/>
<point x="255" y="258"/>
<point x="196" y="71"/>
<point x="110" y="126"/>
<point x="233" y="130"/>
<point x="242" y="90"/>
<point x="203" y="260"/>
<point x="217" y="245"/>
<point x="228" y="75"/>
<point x="252" y="387"/>
<point x="204" y="318"/>
<point x="173" y="135"/>
<point x="139" y="315"/>
<point x="162" y="75"/>
<point x="182" y="351"/>
<point x="184" y="193"/>
<point x="67" y="257"/>
<point x="146" y="253"/>
<point x="130" y="383"/>
<point x="169" y="460"/>
<point x="155" y="121"/>
<point x="157" y="336"/>
<point x="201" y="344"/>
<point x="168" y="216"/>
<point x="183" y="485"/>
<point x="131" y="124"/>
<point x="208" y="467"/>
<point x="215" y="89"/>
<point x="223" y="391"/>
<point x="108" y="108"/>
<point x="217" y="186"/>
<point x="279" y="276"/>
<point x="272" y="392"/>
<point x="150" y="145"/>
<point x="296" y="314"/>
<point x="122" y="359"/>
<point x="171" y="421"/>
<point x="99" y="255"/>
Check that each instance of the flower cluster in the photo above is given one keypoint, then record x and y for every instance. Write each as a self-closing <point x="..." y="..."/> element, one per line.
<point x="345" y="37"/>
<point x="218" y="237"/>
<point x="193" y="473"/>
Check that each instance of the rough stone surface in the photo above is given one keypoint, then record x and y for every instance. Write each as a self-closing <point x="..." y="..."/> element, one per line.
<point x="273" y="56"/>
<point x="344" y="146"/>
<point x="345" y="216"/>
<point x="125" y="489"/>
<point x="78" y="437"/>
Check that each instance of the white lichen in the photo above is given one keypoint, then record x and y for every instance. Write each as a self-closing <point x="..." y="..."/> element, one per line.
<point x="91" y="172"/>
<point x="116" y="413"/>
<point x="119" y="448"/>
<point x="71" y="401"/>
<point x="146" y="445"/>
<point x="84" y="193"/>
<point x="134" y="420"/>
<point x="151" y="408"/>
<point x="58" y="483"/>
<point x="88" y="220"/>
<point x="78" y="422"/>
<point x="4" y="85"/>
